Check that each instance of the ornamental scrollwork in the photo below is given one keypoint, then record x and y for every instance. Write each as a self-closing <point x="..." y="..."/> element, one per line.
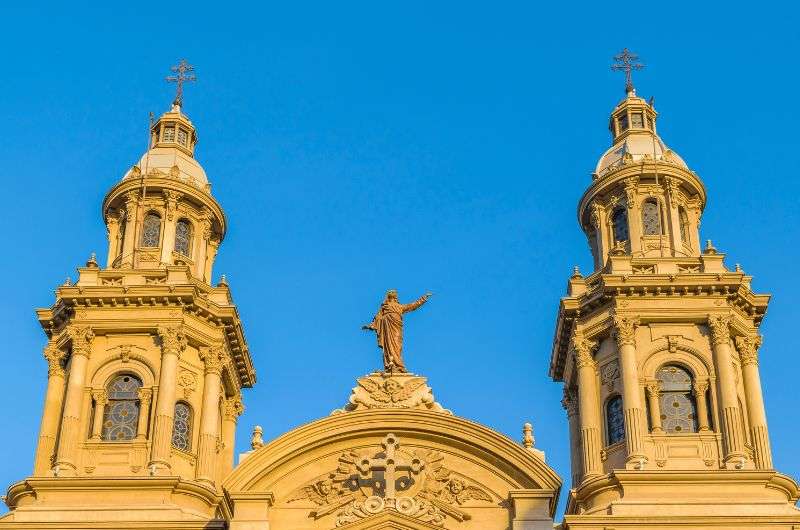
<point x="414" y="483"/>
<point x="625" y="330"/>
<point x="387" y="390"/>
<point x="748" y="348"/>
<point x="173" y="339"/>
<point x="720" y="329"/>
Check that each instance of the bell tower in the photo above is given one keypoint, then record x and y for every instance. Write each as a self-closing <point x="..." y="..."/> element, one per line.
<point x="147" y="358"/>
<point x="657" y="350"/>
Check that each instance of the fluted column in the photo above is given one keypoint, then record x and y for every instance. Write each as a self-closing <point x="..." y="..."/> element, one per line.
<point x="653" y="394"/>
<point x="570" y="404"/>
<point x="748" y="352"/>
<point x="700" y="388"/>
<point x="625" y="334"/>
<point x="100" y="398"/>
<point x="81" y="337"/>
<point x="53" y="399"/>
<point x="173" y="342"/>
<point x="587" y="398"/>
<point x="232" y="408"/>
<point x="145" y="395"/>
<point x="214" y="359"/>
<point x="131" y="211"/>
<point x="731" y="414"/>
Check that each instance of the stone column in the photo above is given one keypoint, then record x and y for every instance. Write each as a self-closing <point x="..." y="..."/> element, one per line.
<point x="168" y="241"/>
<point x="587" y="397"/>
<point x="700" y="388"/>
<point x="748" y="352"/>
<point x="625" y="334"/>
<point x="81" y="337"/>
<point x="100" y="398"/>
<point x="731" y="414"/>
<point x="232" y="408"/>
<point x="634" y="214"/>
<point x="145" y="394"/>
<point x="653" y="394"/>
<point x="131" y="211"/>
<point x="214" y="359"/>
<point x="173" y="342"/>
<point x="112" y="230"/>
<point x="672" y="217"/>
<point x="53" y="399"/>
<point x="570" y="404"/>
<point x="202" y="241"/>
<point x="213" y="247"/>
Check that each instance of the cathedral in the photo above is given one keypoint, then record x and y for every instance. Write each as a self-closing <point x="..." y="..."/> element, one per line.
<point x="656" y="349"/>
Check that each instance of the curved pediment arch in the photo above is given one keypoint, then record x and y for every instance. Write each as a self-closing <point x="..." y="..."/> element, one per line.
<point x="432" y="468"/>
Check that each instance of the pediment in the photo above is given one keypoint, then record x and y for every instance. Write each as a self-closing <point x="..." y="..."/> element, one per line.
<point x="390" y="520"/>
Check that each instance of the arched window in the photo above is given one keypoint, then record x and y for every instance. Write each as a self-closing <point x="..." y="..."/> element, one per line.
<point x="651" y="218"/>
<point x="121" y="414"/>
<point x="684" y="224"/>
<point x="182" y="427"/>
<point x="678" y="410"/>
<point x="151" y="230"/>
<point x="615" y="420"/>
<point x="183" y="237"/>
<point x="619" y="220"/>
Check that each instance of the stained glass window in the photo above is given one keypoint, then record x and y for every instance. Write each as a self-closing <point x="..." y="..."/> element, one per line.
<point x="684" y="223"/>
<point x="615" y="420"/>
<point x="183" y="237"/>
<point x="651" y="218"/>
<point x="620" y="221"/>
<point x="121" y="414"/>
<point x="169" y="134"/>
<point x="182" y="427"/>
<point x="678" y="411"/>
<point x="182" y="136"/>
<point x="151" y="230"/>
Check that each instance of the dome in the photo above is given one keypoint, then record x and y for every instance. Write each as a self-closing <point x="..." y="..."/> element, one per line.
<point x="636" y="148"/>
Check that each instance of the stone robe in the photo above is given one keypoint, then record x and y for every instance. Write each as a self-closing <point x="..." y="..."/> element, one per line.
<point x="388" y="327"/>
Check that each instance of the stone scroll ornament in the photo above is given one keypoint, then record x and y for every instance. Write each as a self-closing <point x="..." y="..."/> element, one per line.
<point x="414" y="483"/>
<point x="388" y="327"/>
<point x="384" y="390"/>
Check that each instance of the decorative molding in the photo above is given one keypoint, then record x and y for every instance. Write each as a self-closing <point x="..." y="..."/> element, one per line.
<point x="414" y="483"/>
<point x="391" y="390"/>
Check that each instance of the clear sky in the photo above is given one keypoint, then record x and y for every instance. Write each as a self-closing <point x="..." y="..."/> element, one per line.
<point x="358" y="146"/>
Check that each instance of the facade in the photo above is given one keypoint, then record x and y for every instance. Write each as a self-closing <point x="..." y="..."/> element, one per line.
<point x="657" y="351"/>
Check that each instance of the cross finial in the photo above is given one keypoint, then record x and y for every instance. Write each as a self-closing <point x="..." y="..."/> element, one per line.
<point x="626" y="62"/>
<point x="183" y="74"/>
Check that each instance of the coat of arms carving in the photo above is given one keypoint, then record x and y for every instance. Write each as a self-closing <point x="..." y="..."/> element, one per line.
<point x="415" y="483"/>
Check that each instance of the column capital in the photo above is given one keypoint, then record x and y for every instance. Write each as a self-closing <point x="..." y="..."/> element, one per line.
<point x="720" y="329"/>
<point x="144" y="395"/>
<point x="653" y="388"/>
<point x="625" y="330"/>
<point x="173" y="339"/>
<point x="700" y="387"/>
<point x="232" y="408"/>
<point x="131" y="198"/>
<point x="81" y="337"/>
<point x="583" y="348"/>
<point x="748" y="348"/>
<point x="570" y="402"/>
<point x="214" y="358"/>
<point x="54" y="356"/>
<point x="100" y="396"/>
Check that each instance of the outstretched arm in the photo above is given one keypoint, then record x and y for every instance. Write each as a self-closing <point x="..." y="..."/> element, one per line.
<point x="416" y="304"/>
<point x="372" y="325"/>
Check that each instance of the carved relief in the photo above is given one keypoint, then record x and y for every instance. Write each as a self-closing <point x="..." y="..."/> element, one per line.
<point x="748" y="348"/>
<point x="54" y="357"/>
<point x="214" y="358"/>
<point x="625" y="330"/>
<point x="188" y="382"/>
<point x="415" y="483"/>
<point x="583" y="349"/>
<point x="720" y="329"/>
<point x="173" y="339"/>
<point x="609" y="374"/>
<point x="82" y="337"/>
<point x="387" y="390"/>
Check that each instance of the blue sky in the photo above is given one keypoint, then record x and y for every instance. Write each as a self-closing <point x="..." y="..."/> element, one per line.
<point x="357" y="146"/>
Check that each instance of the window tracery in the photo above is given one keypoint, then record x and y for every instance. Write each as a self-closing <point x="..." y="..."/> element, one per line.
<point x="651" y="218"/>
<point x="121" y="414"/>
<point x="183" y="237"/>
<point x="615" y="420"/>
<point x="182" y="427"/>
<point x="619" y="221"/>
<point x="151" y="230"/>
<point x="678" y="408"/>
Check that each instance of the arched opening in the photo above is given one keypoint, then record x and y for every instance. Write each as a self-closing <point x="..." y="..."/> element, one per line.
<point x="121" y="414"/>
<point x="182" y="427"/>
<point x="183" y="237"/>
<point x="615" y="420"/>
<point x="151" y="230"/>
<point x="651" y="218"/>
<point x="619" y="222"/>
<point x="677" y="404"/>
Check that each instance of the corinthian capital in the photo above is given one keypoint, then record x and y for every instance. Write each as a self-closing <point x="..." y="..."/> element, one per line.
<point x="625" y="330"/>
<point x="214" y="358"/>
<point x="570" y="402"/>
<point x="82" y="337"/>
<point x="583" y="348"/>
<point x="54" y="356"/>
<point x="720" y="329"/>
<point x="748" y="348"/>
<point x="232" y="408"/>
<point x="700" y="387"/>
<point x="173" y="340"/>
